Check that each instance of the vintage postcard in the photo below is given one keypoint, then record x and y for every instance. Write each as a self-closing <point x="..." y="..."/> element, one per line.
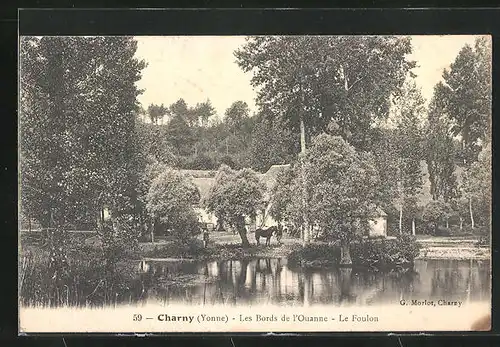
<point x="254" y="184"/>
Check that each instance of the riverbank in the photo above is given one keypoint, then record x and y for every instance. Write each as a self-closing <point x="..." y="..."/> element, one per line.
<point x="225" y="246"/>
<point x="456" y="248"/>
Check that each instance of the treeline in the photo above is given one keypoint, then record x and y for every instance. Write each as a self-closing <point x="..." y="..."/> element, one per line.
<point x="363" y="90"/>
<point x="195" y="137"/>
<point x="85" y="146"/>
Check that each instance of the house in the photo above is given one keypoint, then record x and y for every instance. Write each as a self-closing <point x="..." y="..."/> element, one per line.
<point x="378" y="224"/>
<point x="204" y="179"/>
<point x="203" y="183"/>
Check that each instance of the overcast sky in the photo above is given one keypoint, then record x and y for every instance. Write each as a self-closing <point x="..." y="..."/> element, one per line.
<point x="197" y="68"/>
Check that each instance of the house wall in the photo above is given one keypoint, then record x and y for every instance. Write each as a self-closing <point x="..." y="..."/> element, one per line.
<point x="265" y="221"/>
<point x="204" y="216"/>
<point x="378" y="226"/>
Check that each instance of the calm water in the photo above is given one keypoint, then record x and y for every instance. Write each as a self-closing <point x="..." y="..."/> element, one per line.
<point x="260" y="281"/>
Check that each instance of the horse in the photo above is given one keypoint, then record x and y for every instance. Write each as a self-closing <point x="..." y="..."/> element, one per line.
<point x="267" y="233"/>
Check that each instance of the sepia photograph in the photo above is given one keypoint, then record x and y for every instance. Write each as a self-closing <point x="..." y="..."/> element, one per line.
<point x="254" y="183"/>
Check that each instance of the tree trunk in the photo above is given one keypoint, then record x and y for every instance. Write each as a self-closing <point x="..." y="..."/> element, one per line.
<point x="29" y="223"/>
<point x="413" y="231"/>
<point x="471" y="213"/>
<point x="307" y="290"/>
<point x="345" y="253"/>
<point x="306" y="238"/>
<point x="240" y="227"/>
<point x="447" y="225"/>
<point x="401" y="220"/>
<point x="345" y="284"/>
<point x="153" y="227"/>
<point x="461" y="223"/>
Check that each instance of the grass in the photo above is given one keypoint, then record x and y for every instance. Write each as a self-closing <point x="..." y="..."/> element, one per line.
<point x="85" y="281"/>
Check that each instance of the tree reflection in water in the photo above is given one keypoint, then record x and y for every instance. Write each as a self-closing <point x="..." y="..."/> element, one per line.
<point x="266" y="280"/>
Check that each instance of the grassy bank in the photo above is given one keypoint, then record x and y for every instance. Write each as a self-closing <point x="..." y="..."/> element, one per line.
<point x="228" y="246"/>
<point x="458" y="248"/>
<point x="214" y="251"/>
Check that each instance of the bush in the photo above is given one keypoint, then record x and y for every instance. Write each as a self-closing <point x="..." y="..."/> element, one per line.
<point x="442" y="231"/>
<point x="484" y="240"/>
<point x="374" y="252"/>
<point x="327" y="254"/>
<point x="386" y="253"/>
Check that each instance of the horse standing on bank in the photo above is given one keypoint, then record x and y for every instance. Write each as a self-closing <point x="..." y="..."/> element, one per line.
<point x="266" y="233"/>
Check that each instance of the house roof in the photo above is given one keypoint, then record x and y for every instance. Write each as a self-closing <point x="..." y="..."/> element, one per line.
<point x="198" y="173"/>
<point x="204" y="179"/>
<point x="203" y="184"/>
<point x="379" y="212"/>
<point x="269" y="178"/>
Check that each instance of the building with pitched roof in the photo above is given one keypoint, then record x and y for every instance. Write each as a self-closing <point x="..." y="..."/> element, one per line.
<point x="204" y="179"/>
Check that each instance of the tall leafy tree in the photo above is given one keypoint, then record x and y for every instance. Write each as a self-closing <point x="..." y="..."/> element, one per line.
<point x="78" y="109"/>
<point x="409" y="111"/>
<point x="477" y="187"/>
<point x="236" y="114"/>
<point x="156" y="112"/>
<point x="440" y="154"/>
<point x="180" y="135"/>
<point x="465" y="97"/>
<point x="235" y="196"/>
<point x="343" y="189"/>
<point x="203" y="112"/>
<point x="311" y="80"/>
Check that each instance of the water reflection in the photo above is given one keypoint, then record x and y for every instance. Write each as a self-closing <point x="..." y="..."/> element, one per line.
<point x="269" y="280"/>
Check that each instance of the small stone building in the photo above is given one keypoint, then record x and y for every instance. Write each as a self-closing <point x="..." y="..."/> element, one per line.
<point x="378" y="224"/>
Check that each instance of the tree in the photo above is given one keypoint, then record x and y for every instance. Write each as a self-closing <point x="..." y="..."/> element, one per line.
<point x="78" y="109"/>
<point x="271" y="143"/>
<point x="435" y="212"/>
<point x="440" y="154"/>
<point x="310" y="80"/>
<point x="343" y="189"/>
<point x="465" y="96"/>
<point x="409" y="112"/>
<point x="235" y="195"/>
<point x="477" y="186"/>
<point x="154" y="143"/>
<point x="156" y="112"/>
<point x="180" y="135"/>
<point x="282" y="195"/>
<point x="236" y="114"/>
<point x="170" y="201"/>
<point x="204" y="111"/>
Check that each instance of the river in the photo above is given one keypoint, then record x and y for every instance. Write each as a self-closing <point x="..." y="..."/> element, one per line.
<point x="272" y="281"/>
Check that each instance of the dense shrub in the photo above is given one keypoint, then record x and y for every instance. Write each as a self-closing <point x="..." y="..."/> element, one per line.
<point x="367" y="252"/>
<point x="177" y="249"/>
<point x="381" y="253"/>
<point x="442" y="231"/>
<point x="484" y="240"/>
<point x="314" y="253"/>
